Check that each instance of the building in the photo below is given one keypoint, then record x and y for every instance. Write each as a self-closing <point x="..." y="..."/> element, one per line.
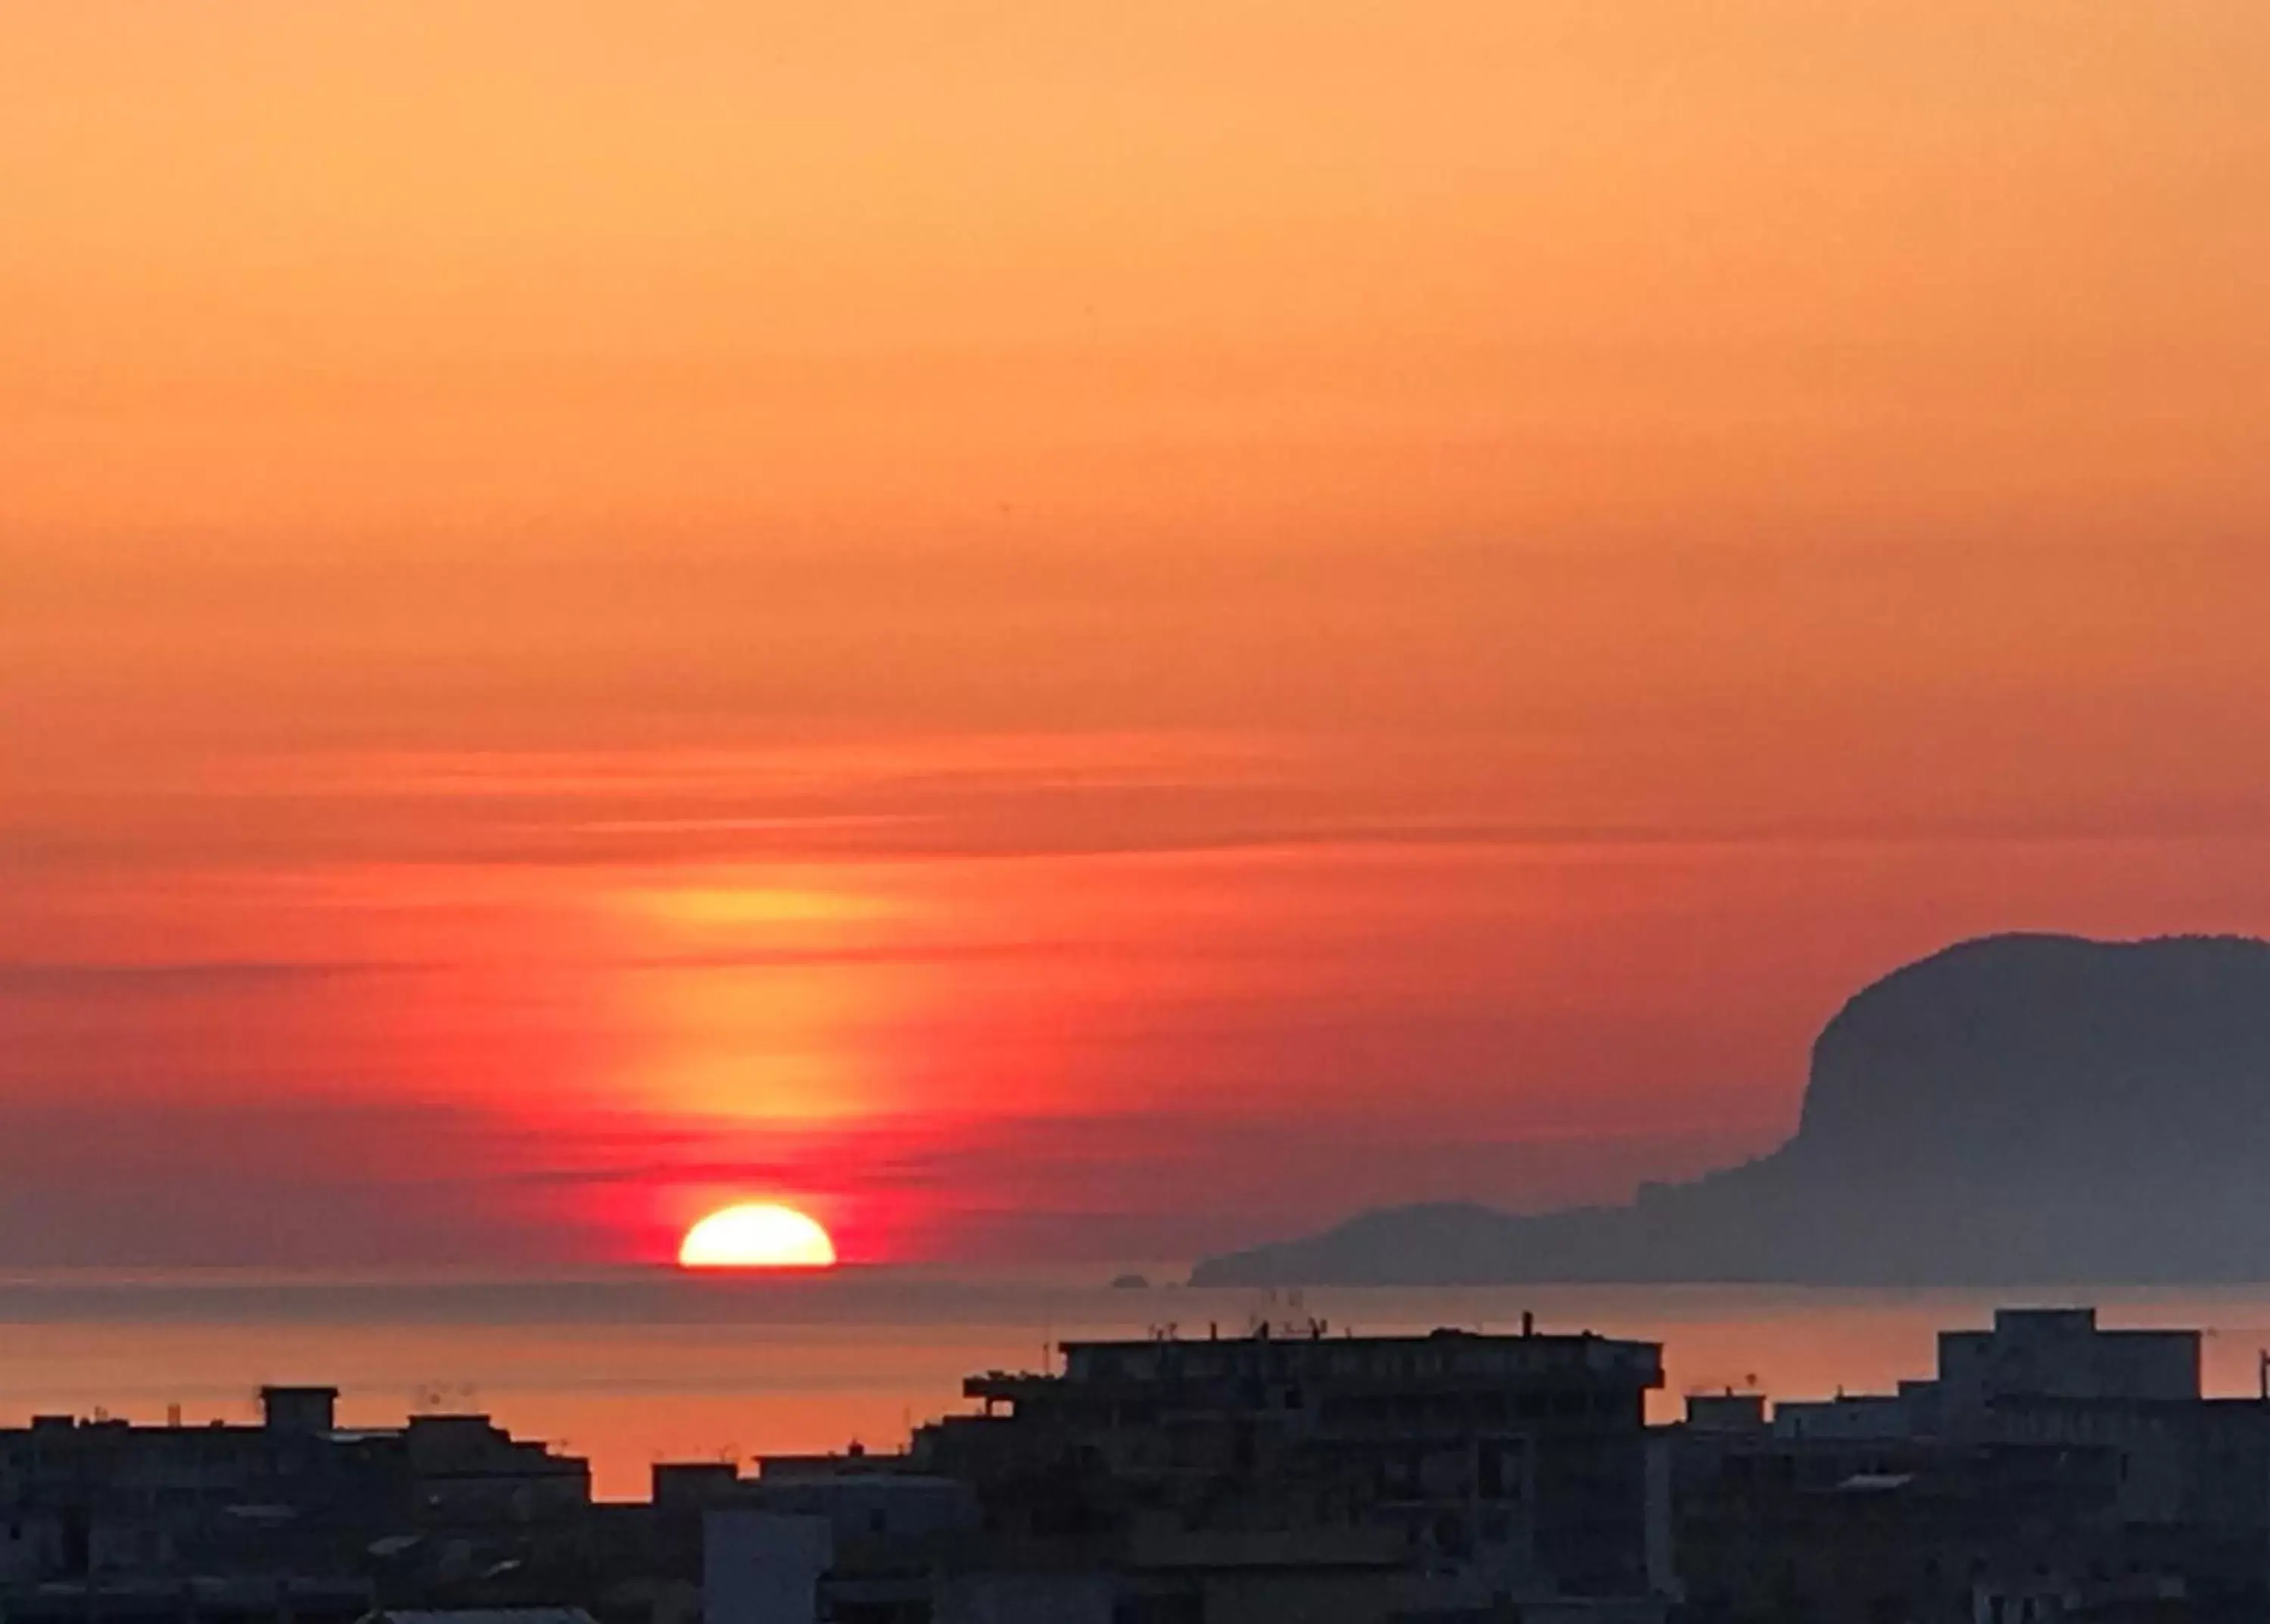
<point x="2029" y="1354"/>
<point x="1728" y="1412"/>
<point x="109" y="1503"/>
<point x="1854" y="1531"/>
<point x="761" y="1567"/>
<point x="480" y="1615"/>
<point x="1911" y="1412"/>
<point x="2059" y="1353"/>
<point x="466" y="1469"/>
<point x="1515" y="1464"/>
<point x="2049" y="1468"/>
<point x="124" y="1499"/>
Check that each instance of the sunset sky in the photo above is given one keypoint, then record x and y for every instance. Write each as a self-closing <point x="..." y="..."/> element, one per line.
<point x="1076" y="631"/>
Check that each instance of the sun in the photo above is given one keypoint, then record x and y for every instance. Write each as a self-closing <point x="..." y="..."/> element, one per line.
<point x="756" y="1234"/>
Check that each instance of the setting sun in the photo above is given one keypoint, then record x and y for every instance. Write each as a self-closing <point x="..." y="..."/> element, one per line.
<point x="757" y="1234"/>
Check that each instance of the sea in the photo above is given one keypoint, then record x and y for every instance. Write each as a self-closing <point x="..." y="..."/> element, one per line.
<point x="634" y="1367"/>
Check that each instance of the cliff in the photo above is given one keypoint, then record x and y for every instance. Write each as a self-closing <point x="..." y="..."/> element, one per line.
<point x="2031" y="1109"/>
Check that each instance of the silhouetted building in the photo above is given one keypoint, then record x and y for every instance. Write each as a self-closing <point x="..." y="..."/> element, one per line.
<point x="1901" y="1531"/>
<point x="692" y="1486"/>
<point x="1911" y="1412"/>
<point x="1726" y="1412"/>
<point x="2059" y="1353"/>
<point x="479" y="1615"/>
<point x="763" y="1568"/>
<point x="109" y="1503"/>
<point x="2051" y="1469"/>
<point x="1520" y="1460"/>
<point x="465" y="1468"/>
<point x="303" y="1410"/>
<point x="2030" y="1353"/>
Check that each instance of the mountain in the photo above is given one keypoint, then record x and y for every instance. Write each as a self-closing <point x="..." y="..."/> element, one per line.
<point x="2020" y="1108"/>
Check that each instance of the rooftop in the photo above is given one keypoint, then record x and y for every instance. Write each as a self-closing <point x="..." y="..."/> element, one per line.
<point x="1447" y="1357"/>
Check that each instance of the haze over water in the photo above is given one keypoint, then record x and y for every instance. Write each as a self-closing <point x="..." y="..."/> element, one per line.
<point x="634" y="1367"/>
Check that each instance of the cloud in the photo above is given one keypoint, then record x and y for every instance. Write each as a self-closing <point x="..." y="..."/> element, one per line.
<point x="185" y="975"/>
<point x="1151" y="1184"/>
<point x="352" y="1184"/>
<point x="305" y="1182"/>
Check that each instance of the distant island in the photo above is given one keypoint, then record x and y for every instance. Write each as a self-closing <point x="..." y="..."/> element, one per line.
<point x="2018" y="1109"/>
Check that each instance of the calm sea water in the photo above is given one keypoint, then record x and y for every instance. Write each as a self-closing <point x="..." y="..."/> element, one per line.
<point x="636" y="1367"/>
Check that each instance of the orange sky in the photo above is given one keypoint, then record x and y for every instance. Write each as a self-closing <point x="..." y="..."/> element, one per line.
<point x="1044" y="625"/>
